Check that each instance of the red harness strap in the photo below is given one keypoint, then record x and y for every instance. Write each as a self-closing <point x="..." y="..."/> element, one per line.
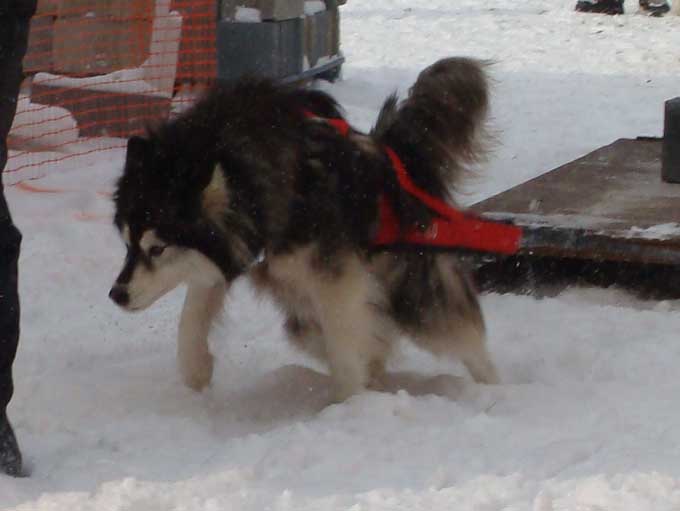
<point x="451" y="229"/>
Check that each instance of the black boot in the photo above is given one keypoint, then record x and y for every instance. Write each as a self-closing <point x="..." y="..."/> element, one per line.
<point x="655" y="8"/>
<point x="10" y="455"/>
<point x="600" y="6"/>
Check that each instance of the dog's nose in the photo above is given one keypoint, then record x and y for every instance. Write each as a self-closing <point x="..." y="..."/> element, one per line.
<point x="119" y="295"/>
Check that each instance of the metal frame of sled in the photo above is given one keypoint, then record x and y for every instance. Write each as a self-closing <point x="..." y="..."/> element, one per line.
<point x="607" y="216"/>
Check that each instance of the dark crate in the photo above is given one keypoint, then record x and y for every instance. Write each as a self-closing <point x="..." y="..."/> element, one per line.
<point x="317" y="37"/>
<point x="670" y="169"/>
<point x="273" y="49"/>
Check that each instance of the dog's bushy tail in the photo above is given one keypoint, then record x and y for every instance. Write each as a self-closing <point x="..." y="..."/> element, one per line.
<point x="438" y="130"/>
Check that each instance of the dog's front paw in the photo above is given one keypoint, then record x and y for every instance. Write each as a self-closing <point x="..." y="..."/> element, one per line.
<point x="196" y="370"/>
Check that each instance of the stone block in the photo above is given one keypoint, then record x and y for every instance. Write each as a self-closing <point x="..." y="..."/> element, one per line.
<point x="47" y="8"/>
<point x="101" y="113"/>
<point x="112" y="9"/>
<point x="197" y="59"/>
<point x="40" y="38"/>
<point x="273" y="49"/>
<point x="90" y="46"/>
<point x="322" y="36"/>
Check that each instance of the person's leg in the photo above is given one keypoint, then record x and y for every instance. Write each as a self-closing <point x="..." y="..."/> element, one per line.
<point x="14" y="26"/>
<point x="654" y="7"/>
<point x="600" y="6"/>
<point x="10" y="238"/>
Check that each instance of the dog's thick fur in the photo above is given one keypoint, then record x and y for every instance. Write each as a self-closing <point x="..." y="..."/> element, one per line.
<point x="246" y="183"/>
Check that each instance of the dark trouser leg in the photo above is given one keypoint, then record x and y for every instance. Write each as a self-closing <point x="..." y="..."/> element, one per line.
<point x="654" y="7"/>
<point x="600" y="6"/>
<point x="14" y="26"/>
<point x="10" y="239"/>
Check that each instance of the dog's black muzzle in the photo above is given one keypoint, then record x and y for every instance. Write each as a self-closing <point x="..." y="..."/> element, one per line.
<point x="119" y="295"/>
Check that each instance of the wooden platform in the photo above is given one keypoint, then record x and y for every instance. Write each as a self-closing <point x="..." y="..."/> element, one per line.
<point x="609" y="205"/>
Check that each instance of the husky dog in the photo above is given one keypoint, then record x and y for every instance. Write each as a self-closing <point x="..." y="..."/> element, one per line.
<point x="252" y="181"/>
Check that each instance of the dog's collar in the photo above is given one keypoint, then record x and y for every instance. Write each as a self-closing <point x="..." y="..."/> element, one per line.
<point x="451" y="228"/>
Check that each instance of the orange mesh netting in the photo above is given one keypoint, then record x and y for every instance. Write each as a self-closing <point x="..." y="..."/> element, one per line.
<point x="102" y="70"/>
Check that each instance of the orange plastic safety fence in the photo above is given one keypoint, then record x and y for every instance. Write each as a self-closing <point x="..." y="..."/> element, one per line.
<point x="102" y="70"/>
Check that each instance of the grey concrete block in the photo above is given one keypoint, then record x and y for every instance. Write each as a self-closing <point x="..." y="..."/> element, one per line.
<point x="272" y="49"/>
<point x="316" y="45"/>
<point x="322" y="36"/>
<point x="335" y="31"/>
<point x="281" y="9"/>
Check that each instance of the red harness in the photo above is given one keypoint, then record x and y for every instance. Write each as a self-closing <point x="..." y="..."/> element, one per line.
<point x="452" y="228"/>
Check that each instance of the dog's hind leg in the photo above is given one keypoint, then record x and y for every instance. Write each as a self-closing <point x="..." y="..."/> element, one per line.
<point x="448" y="320"/>
<point x="355" y="331"/>
<point x="462" y="337"/>
<point x="470" y="347"/>
<point x="201" y="306"/>
<point x="306" y="336"/>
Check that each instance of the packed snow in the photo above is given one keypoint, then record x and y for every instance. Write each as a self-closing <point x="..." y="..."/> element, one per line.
<point x="247" y="15"/>
<point x="657" y="232"/>
<point x="313" y="7"/>
<point x="44" y="124"/>
<point x="586" y="417"/>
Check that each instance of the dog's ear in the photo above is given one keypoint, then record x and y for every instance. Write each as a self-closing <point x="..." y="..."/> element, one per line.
<point x="137" y="150"/>
<point x="215" y="196"/>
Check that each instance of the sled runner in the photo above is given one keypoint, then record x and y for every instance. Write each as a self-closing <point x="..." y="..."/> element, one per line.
<point x="606" y="217"/>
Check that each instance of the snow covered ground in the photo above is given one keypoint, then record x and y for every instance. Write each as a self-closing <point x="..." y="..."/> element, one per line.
<point x="586" y="418"/>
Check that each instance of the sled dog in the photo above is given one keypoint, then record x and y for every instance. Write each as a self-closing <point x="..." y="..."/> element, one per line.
<point x="257" y="180"/>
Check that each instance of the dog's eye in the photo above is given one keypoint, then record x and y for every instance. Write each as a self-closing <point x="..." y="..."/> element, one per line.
<point x="156" y="250"/>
